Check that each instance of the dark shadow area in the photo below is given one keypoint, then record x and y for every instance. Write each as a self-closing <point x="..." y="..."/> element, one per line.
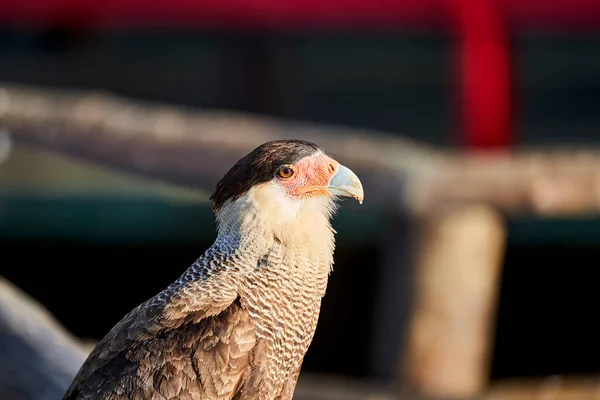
<point x="547" y="321"/>
<point x="90" y="287"/>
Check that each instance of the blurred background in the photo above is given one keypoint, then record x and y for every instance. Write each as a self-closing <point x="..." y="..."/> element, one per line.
<point x="466" y="77"/>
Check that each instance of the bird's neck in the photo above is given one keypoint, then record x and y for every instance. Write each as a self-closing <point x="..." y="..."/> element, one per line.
<point x="257" y="223"/>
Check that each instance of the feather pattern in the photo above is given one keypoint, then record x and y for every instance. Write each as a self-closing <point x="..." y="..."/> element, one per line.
<point x="237" y="323"/>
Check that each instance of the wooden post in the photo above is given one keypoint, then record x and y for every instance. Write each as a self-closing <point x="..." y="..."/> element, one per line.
<point x="458" y="268"/>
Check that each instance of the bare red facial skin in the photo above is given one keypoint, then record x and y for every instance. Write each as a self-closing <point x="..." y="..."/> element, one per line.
<point x="311" y="176"/>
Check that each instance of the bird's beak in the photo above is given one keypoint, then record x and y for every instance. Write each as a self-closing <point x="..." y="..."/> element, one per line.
<point x="346" y="183"/>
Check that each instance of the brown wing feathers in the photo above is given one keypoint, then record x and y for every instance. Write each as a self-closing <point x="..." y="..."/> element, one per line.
<point x="208" y="359"/>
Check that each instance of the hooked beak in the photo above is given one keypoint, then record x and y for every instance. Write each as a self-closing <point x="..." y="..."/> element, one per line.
<point x="346" y="183"/>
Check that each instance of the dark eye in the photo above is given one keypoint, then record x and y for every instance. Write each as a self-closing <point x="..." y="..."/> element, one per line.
<point x="285" y="172"/>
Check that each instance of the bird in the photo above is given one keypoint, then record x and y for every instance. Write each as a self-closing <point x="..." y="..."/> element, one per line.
<point x="239" y="321"/>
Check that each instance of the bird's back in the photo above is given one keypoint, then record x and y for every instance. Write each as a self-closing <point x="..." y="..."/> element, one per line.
<point x="209" y="359"/>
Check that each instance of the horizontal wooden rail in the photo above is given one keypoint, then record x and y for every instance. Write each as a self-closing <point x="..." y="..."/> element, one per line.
<point x="196" y="147"/>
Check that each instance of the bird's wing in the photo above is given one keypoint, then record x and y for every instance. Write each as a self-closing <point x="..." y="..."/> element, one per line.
<point x="197" y="338"/>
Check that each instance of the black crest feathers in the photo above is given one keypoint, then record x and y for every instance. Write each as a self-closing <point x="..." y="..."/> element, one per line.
<point x="259" y="166"/>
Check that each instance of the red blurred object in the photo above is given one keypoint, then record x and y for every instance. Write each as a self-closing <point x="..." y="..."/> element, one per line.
<point x="480" y="28"/>
<point x="284" y="13"/>
<point x="255" y="14"/>
<point x="484" y="76"/>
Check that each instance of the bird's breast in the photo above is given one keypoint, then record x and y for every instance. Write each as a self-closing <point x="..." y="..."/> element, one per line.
<point x="283" y="297"/>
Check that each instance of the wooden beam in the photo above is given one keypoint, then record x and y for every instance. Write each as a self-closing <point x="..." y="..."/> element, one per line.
<point x="552" y="387"/>
<point x="545" y="182"/>
<point x="195" y="148"/>
<point x="191" y="147"/>
<point x="38" y="356"/>
<point x="458" y="268"/>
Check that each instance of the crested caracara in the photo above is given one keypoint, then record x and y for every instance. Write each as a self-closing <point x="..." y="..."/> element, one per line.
<point x="238" y="322"/>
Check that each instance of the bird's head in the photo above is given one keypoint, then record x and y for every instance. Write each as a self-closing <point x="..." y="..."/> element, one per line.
<point x="284" y="182"/>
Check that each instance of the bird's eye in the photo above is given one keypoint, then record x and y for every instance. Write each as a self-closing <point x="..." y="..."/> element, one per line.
<point x="285" y="172"/>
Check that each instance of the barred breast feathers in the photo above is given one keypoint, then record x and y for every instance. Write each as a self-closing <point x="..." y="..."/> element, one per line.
<point x="257" y="226"/>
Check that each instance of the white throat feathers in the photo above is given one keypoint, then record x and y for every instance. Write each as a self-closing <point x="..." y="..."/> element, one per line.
<point x="267" y="215"/>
